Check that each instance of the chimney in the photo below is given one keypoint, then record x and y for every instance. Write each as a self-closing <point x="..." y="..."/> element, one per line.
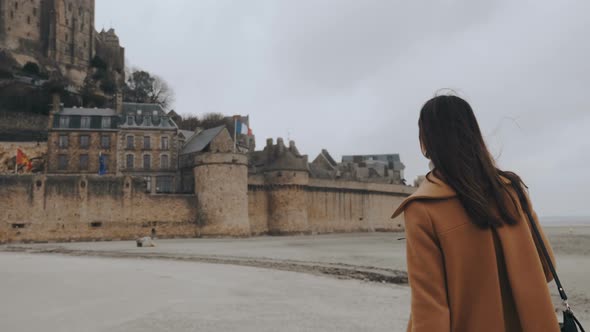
<point x="55" y="107"/>
<point x="55" y="102"/>
<point x="119" y="102"/>
<point x="280" y="145"/>
<point x="293" y="148"/>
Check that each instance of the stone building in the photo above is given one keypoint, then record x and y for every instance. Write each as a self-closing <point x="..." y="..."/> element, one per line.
<point x="78" y="136"/>
<point x="324" y="166"/>
<point x="383" y="168"/>
<point x="57" y="35"/>
<point x="109" y="49"/>
<point x="213" y="140"/>
<point x="149" y="146"/>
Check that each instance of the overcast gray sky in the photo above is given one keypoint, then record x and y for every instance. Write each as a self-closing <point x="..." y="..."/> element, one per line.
<point x="351" y="75"/>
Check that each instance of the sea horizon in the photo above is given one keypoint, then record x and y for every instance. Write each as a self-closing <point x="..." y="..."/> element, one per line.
<point x="565" y="220"/>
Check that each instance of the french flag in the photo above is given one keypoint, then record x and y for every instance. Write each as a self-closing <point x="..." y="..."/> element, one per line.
<point x="242" y="128"/>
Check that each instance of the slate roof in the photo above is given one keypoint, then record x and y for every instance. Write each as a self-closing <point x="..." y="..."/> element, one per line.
<point x="384" y="157"/>
<point x="87" y="111"/>
<point x="187" y="133"/>
<point x="198" y="142"/>
<point x="147" y="109"/>
<point x="145" y="118"/>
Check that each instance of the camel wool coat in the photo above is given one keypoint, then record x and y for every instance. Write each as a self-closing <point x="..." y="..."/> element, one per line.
<point x="467" y="279"/>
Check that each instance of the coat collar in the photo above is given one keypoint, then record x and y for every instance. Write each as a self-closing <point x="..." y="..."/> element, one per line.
<point x="431" y="188"/>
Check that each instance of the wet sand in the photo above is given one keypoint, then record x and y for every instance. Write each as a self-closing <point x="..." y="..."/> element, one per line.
<point x="63" y="293"/>
<point x="572" y="250"/>
<point x="373" y="259"/>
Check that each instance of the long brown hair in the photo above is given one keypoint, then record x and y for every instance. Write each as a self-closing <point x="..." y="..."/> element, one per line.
<point x="452" y="140"/>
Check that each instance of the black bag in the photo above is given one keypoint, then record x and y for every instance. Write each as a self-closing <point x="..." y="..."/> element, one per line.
<point x="570" y="322"/>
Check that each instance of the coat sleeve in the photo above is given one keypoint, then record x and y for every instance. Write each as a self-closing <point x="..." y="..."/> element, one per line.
<point x="426" y="273"/>
<point x="546" y="270"/>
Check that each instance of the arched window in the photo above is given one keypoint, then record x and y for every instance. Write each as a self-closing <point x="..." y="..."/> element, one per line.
<point x="147" y="161"/>
<point x="164" y="161"/>
<point x="130" y="161"/>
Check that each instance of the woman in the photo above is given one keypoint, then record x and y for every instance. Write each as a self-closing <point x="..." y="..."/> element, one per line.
<point x="473" y="264"/>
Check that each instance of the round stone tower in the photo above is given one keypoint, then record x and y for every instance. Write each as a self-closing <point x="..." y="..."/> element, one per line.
<point x="221" y="189"/>
<point x="286" y="177"/>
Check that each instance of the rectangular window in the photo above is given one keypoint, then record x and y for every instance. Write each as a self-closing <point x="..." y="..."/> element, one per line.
<point x="147" y="161"/>
<point x="83" y="162"/>
<point x="164" y="184"/>
<point x="106" y="122"/>
<point x="62" y="162"/>
<point x="64" y="121"/>
<point x="105" y="141"/>
<point x="85" y="122"/>
<point x="130" y="161"/>
<point x="148" y="183"/>
<point x="84" y="141"/>
<point x="63" y="141"/>
<point x="146" y="142"/>
<point x="129" y="120"/>
<point x="130" y="142"/>
<point x="164" y="161"/>
<point x="164" y="143"/>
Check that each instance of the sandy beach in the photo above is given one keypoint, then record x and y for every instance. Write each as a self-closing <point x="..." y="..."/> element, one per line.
<point x="572" y="249"/>
<point x="347" y="282"/>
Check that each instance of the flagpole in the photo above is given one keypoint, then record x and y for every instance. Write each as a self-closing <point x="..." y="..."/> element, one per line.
<point x="235" y="132"/>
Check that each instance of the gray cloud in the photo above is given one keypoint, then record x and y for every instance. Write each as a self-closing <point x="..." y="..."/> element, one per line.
<point x="351" y="76"/>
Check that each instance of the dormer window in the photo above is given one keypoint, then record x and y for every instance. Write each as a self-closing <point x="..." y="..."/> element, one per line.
<point x="85" y="122"/>
<point x="64" y="121"/>
<point x="106" y="122"/>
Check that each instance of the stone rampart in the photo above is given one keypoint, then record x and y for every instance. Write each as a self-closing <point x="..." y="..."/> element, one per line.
<point x="227" y="203"/>
<point x="66" y="208"/>
<point x="329" y="206"/>
<point x="221" y="184"/>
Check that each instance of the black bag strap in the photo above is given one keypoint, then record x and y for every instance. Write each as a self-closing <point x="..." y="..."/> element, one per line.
<point x="547" y="257"/>
<point x="568" y="313"/>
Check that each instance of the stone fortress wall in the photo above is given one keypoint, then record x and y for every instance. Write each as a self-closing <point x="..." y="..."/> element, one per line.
<point x="76" y="208"/>
<point x="227" y="202"/>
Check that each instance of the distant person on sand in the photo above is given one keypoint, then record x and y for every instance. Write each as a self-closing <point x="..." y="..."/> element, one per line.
<point x="473" y="263"/>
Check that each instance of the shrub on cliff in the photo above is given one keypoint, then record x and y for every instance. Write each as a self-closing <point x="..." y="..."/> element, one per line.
<point x="98" y="63"/>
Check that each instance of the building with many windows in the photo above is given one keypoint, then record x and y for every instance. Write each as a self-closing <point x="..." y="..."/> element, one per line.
<point x="148" y="146"/>
<point x="79" y="138"/>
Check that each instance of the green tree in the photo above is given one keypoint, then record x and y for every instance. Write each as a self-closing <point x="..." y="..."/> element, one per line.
<point x="211" y="120"/>
<point x="143" y="87"/>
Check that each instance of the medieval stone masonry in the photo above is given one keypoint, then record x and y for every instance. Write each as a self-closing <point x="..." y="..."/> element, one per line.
<point x="128" y="171"/>
<point x="234" y="194"/>
<point x="58" y="32"/>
